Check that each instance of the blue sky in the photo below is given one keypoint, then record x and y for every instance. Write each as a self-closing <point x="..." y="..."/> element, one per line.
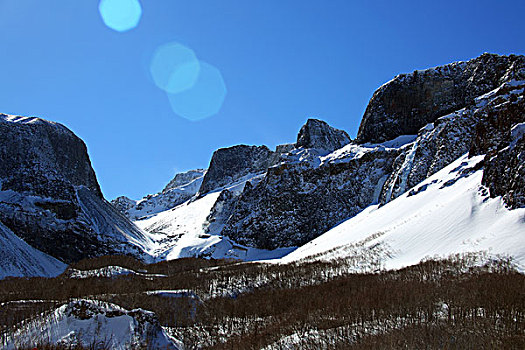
<point x="282" y="61"/>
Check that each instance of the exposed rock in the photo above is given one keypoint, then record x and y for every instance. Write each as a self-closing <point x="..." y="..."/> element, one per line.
<point x="437" y="145"/>
<point x="500" y="136"/>
<point x="318" y="134"/>
<point x="123" y="204"/>
<point x="43" y="158"/>
<point x="504" y="173"/>
<point x="309" y="192"/>
<point x="296" y="202"/>
<point x="280" y="151"/>
<point x="411" y="101"/>
<point x="50" y="197"/>
<point x="230" y="164"/>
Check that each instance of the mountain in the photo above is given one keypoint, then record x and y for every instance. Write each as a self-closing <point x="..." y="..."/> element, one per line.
<point x="254" y="199"/>
<point x="50" y="198"/>
<point x="19" y="259"/>
<point x="254" y="203"/>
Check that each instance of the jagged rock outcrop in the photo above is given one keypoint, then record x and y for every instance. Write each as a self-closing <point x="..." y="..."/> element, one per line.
<point x="123" y="204"/>
<point x="295" y="203"/>
<point x="280" y="151"/>
<point x="483" y="127"/>
<point x="180" y="189"/>
<point x="318" y="134"/>
<point x="230" y="164"/>
<point x="411" y="101"/>
<point x="50" y="197"/>
<point x="500" y="135"/>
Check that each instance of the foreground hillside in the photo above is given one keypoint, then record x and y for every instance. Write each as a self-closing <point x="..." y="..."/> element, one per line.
<point x="465" y="301"/>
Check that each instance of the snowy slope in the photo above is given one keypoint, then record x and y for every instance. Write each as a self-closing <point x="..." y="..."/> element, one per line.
<point x="180" y="189"/>
<point x="88" y="322"/>
<point x="19" y="259"/>
<point x="179" y="232"/>
<point x="448" y="213"/>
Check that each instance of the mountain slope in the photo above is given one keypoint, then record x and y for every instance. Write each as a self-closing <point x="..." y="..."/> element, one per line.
<point x="181" y="231"/>
<point x="19" y="259"/>
<point x="448" y="213"/>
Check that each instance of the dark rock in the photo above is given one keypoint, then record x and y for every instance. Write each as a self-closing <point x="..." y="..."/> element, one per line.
<point x="295" y="203"/>
<point x="230" y="164"/>
<point x="410" y="101"/>
<point x="280" y="151"/>
<point x="504" y="174"/>
<point x="318" y="134"/>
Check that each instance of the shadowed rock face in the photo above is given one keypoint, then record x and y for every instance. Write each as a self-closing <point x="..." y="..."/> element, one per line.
<point x="318" y="134"/>
<point x="230" y="164"/>
<point x="410" y="101"/>
<point x="501" y="136"/>
<point x="49" y="194"/>
<point x="295" y="203"/>
<point x="43" y="158"/>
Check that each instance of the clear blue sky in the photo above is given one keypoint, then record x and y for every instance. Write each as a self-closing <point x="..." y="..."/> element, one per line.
<point x="282" y="61"/>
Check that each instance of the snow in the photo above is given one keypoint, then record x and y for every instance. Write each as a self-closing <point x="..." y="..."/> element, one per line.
<point x="7" y="118"/>
<point x="516" y="133"/>
<point x="168" y="198"/>
<point x="179" y="233"/>
<point x="88" y="322"/>
<point x="108" y="272"/>
<point x="451" y="213"/>
<point x="354" y="151"/>
<point x="19" y="259"/>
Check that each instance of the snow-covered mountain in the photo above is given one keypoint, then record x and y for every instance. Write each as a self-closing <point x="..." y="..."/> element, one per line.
<point x="325" y="178"/>
<point x="181" y="188"/>
<point x="50" y="201"/>
<point x="19" y="259"/>
<point x="254" y="203"/>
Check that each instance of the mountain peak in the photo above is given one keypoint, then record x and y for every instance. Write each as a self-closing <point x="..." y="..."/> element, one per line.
<point x="318" y="134"/>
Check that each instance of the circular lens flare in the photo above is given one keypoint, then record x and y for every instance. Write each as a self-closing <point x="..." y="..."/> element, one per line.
<point x="174" y="68"/>
<point x="120" y="15"/>
<point x="204" y="99"/>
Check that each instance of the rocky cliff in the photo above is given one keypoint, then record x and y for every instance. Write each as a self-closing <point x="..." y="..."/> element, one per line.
<point x="411" y="101"/>
<point x="50" y="197"/>
<point x="231" y="164"/>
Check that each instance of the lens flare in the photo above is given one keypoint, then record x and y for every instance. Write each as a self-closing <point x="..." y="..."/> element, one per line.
<point x="204" y="99"/>
<point x="174" y="68"/>
<point x="120" y="15"/>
